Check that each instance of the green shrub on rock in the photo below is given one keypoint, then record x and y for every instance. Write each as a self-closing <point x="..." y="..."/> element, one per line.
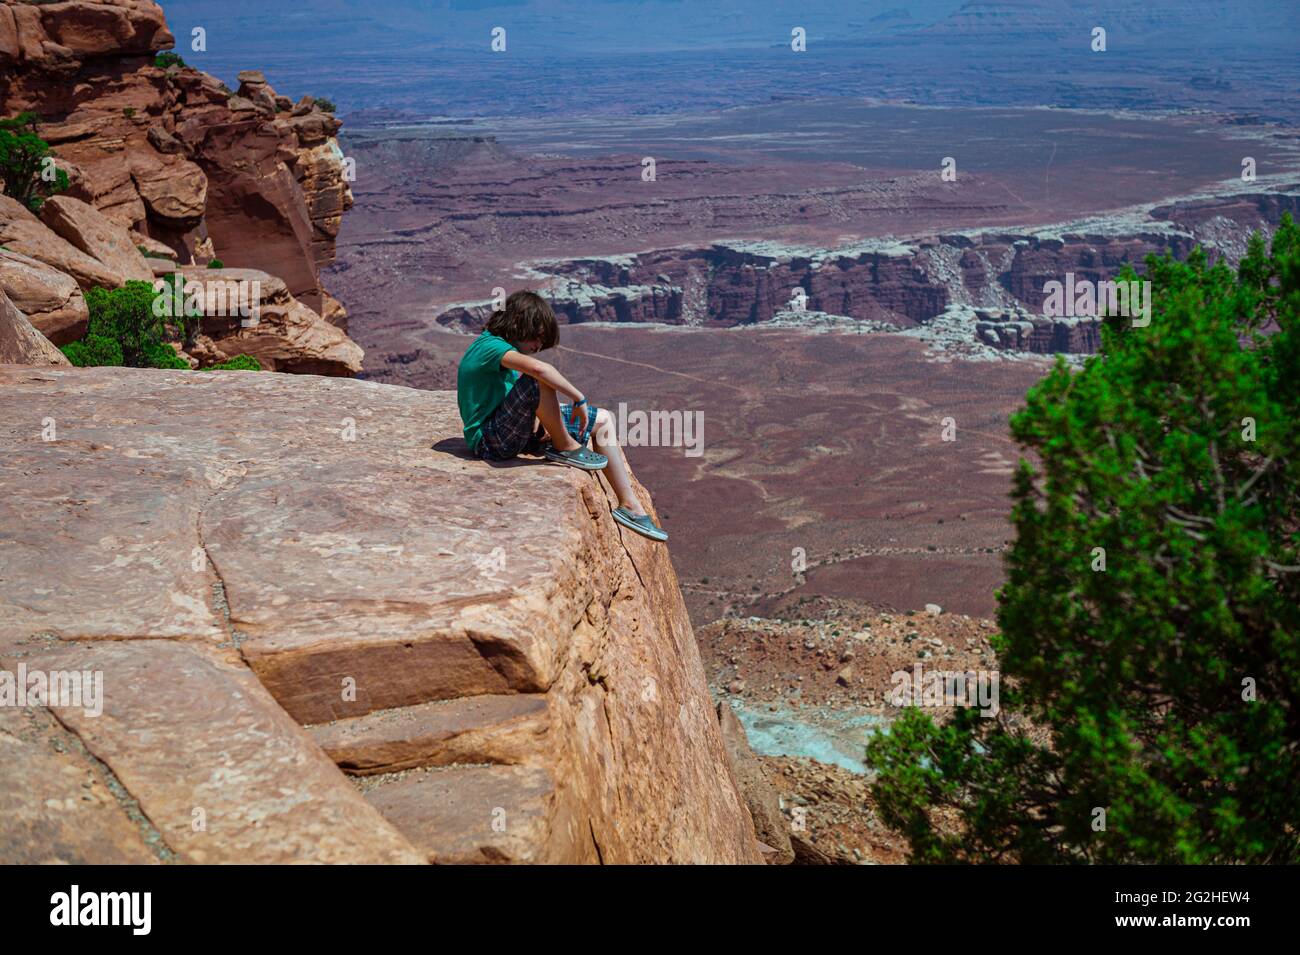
<point x="126" y="315"/>
<point x="93" y="351"/>
<point x="158" y="355"/>
<point x="238" y="363"/>
<point x="179" y="323"/>
<point x="26" y="164"/>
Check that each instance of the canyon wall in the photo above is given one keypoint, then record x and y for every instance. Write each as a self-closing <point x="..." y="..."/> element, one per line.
<point x="167" y="165"/>
<point x="999" y="277"/>
<point x="322" y="639"/>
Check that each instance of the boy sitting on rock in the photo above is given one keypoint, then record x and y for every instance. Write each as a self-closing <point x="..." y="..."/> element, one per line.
<point x="510" y="404"/>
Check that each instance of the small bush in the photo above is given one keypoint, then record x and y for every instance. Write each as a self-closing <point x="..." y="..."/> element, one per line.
<point x="326" y="104"/>
<point x="93" y="351"/>
<point x="238" y="363"/>
<point x="159" y="355"/>
<point x="128" y="111"/>
<point x="26" y="164"/>
<point x="126" y="315"/>
<point x="216" y="264"/>
<point x="167" y="60"/>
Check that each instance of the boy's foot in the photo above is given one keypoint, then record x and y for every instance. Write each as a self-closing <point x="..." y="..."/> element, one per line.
<point x="643" y="525"/>
<point x="577" y="458"/>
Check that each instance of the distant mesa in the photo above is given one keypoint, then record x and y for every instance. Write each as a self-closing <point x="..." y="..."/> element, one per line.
<point x="987" y="286"/>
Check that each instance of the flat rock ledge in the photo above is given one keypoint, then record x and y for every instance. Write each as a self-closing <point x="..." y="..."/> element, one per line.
<point x="326" y="633"/>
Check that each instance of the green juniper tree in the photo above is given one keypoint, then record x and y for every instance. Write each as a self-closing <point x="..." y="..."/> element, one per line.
<point x="26" y="164"/>
<point x="125" y="329"/>
<point x="1150" y="622"/>
<point x="94" y="351"/>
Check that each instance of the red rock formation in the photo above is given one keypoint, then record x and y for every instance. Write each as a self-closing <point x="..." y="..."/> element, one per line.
<point x="20" y="342"/>
<point x="171" y="153"/>
<point x="22" y="232"/>
<point x="85" y="227"/>
<point x="51" y="299"/>
<point x="283" y="335"/>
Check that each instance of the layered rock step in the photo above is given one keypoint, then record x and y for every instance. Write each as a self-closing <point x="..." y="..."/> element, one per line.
<point x="473" y="729"/>
<point x="243" y="554"/>
<point x="453" y="777"/>
<point x="203" y="765"/>
<point x="483" y="814"/>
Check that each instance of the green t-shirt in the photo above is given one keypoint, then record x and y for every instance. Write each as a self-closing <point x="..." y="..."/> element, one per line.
<point x="482" y="384"/>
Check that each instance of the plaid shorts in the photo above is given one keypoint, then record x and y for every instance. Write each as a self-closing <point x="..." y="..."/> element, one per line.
<point x="509" y="430"/>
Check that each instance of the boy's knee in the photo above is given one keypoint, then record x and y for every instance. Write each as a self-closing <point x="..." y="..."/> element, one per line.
<point x="604" y="431"/>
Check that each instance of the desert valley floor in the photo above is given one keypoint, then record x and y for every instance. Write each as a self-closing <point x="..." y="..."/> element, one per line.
<point x="828" y="441"/>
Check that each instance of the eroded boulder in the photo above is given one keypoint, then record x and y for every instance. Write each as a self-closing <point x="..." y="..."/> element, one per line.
<point x="95" y="27"/>
<point x="20" y="342"/>
<point x="22" y="232"/>
<point x="51" y="300"/>
<point x="174" y="190"/>
<point x="89" y="230"/>
<point x="249" y="312"/>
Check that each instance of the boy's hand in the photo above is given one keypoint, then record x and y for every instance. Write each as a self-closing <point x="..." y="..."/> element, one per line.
<point x="547" y="375"/>
<point x="580" y="414"/>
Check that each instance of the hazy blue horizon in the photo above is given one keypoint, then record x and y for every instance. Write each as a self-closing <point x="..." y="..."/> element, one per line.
<point x="420" y="58"/>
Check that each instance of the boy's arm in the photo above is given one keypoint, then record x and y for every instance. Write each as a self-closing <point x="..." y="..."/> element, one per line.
<point x="534" y="368"/>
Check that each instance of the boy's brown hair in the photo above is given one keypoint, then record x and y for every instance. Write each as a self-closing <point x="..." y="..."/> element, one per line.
<point x="526" y="317"/>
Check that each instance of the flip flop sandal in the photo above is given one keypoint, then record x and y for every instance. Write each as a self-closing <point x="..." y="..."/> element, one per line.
<point x="577" y="458"/>
<point x="643" y="525"/>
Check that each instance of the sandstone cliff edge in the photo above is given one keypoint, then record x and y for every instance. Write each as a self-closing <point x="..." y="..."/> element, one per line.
<point x="326" y="633"/>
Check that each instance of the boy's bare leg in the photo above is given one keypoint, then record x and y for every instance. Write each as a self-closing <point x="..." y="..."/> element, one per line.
<point x="604" y="439"/>
<point x="548" y="413"/>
